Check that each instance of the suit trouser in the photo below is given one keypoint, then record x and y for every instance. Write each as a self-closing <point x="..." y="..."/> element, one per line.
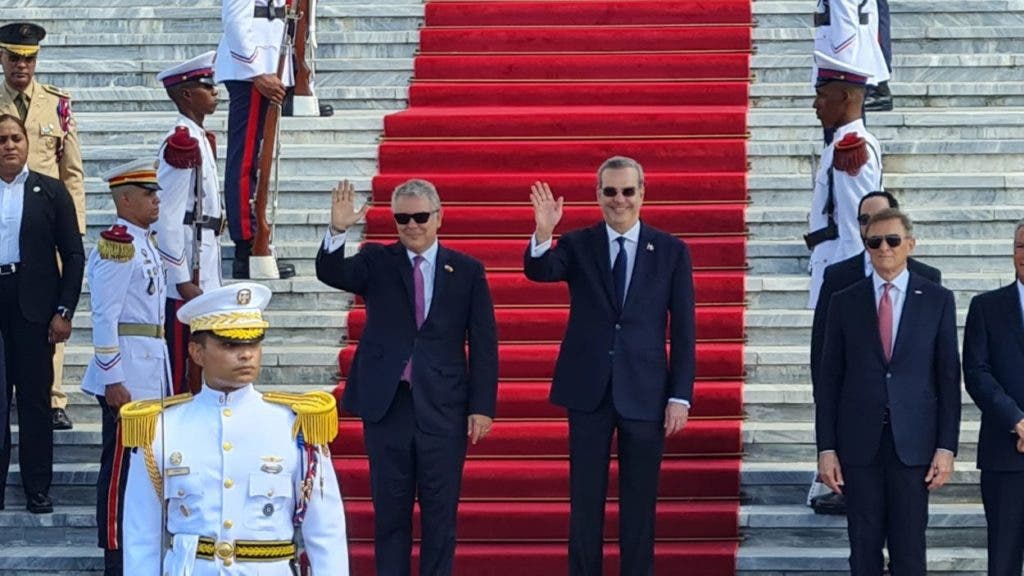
<point x="247" y="111"/>
<point x="1004" y="512"/>
<point x="29" y="357"/>
<point x="58" y="398"/>
<point x="885" y="32"/>
<point x="640" y="448"/>
<point x="886" y="502"/>
<point x="110" y="487"/>
<point x="404" y="460"/>
<point x="177" y="336"/>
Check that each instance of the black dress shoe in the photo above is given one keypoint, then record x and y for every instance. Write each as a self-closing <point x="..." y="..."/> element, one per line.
<point x="285" y="270"/>
<point x="878" y="98"/>
<point x="39" y="503"/>
<point x="832" y="504"/>
<point x="59" y="420"/>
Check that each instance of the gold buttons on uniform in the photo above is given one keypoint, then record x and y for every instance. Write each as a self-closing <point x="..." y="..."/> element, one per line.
<point x="228" y="524"/>
<point x="229" y="483"/>
<point x="227" y="412"/>
<point x="227" y="446"/>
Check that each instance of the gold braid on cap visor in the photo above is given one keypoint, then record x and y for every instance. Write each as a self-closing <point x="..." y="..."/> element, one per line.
<point x="20" y="49"/>
<point x="237" y="325"/>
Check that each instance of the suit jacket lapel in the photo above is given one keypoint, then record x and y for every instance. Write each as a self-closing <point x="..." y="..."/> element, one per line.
<point x="602" y="255"/>
<point x="870" y="314"/>
<point x="913" y="300"/>
<point x="643" y="265"/>
<point x="440" y="278"/>
<point x="404" y="267"/>
<point x="30" y="208"/>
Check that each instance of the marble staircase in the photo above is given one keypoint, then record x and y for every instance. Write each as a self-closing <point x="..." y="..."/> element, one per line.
<point x="953" y="155"/>
<point x="107" y="54"/>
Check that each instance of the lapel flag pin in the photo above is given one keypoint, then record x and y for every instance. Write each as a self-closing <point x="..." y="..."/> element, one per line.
<point x="448" y="268"/>
<point x="36" y="189"/>
<point x="917" y="292"/>
<point x="650" y="247"/>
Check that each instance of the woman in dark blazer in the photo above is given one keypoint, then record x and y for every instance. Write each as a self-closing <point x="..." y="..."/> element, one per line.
<point x="37" y="300"/>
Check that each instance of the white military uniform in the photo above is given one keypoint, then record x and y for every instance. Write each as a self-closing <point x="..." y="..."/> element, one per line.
<point x="847" y="191"/>
<point x="846" y="39"/>
<point x="131" y="292"/>
<point x="251" y="45"/>
<point x="177" y="197"/>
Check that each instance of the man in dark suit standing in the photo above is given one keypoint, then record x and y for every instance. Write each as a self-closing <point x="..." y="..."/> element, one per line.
<point x="410" y="382"/>
<point x="993" y="363"/>
<point x="837" y="277"/>
<point x="37" y="300"/>
<point x="888" y="401"/>
<point x="626" y="279"/>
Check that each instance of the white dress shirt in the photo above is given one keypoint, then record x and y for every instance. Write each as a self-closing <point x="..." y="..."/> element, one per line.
<point x="12" y="204"/>
<point x="1020" y="295"/>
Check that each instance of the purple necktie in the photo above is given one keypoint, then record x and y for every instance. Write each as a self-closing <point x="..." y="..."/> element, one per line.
<point x="421" y="307"/>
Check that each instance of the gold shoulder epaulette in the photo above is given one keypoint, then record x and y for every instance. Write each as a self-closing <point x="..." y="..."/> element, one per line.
<point x="116" y="244"/>
<point x="317" y="414"/>
<point x="56" y="91"/>
<point x="138" y="419"/>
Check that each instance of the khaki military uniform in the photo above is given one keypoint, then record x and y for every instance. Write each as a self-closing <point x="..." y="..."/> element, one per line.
<point x="53" y="150"/>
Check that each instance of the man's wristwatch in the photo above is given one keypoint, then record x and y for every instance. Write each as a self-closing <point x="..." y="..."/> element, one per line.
<point x="64" y="312"/>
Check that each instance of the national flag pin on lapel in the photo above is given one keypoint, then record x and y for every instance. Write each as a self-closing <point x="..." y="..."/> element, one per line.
<point x="448" y="268"/>
<point x="36" y="189"/>
<point x="918" y="292"/>
<point x="650" y="247"/>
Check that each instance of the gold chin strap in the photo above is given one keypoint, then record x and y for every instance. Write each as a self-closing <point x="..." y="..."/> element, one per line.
<point x="20" y="50"/>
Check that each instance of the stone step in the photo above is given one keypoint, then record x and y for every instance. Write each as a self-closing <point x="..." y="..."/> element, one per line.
<point x="74" y="74"/>
<point x="795" y="403"/>
<point x="911" y="13"/>
<point x="958" y="156"/>
<point x="181" y="46"/>
<point x="949" y="525"/>
<point x="795" y="442"/>
<point x="783" y="327"/>
<point x="786" y="484"/>
<point x="903" y="125"/>
<point x="790" y="257"/>
<point x="779" y="292"/>
<point x="936" y="93"/>
<point x="912" y="68"/>
<point x="814" y="558"/>
<point x="927" y="39"/>
<point x="84" y="560"/>
<point x="931" y="222"/>
<point x="112" y="99"/>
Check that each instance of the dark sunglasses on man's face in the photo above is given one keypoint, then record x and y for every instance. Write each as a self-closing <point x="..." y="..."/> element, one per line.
<point x="419" y="217"/>
<point x="612" y="191"/>
<point x="875" y="242"/>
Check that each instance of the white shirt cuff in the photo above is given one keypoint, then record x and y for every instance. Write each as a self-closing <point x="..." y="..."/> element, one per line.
<point x="538" y="250"/>
<point x="679" y="401"/>
<point x="334" y="241"/>
<point x="950" y="452"/>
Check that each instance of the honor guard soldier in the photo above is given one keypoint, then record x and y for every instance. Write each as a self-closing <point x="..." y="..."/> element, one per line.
<point x="236" y="471"/>
<point x="190" y="200"/>
<point x="247" y="61"/>
<point x="850" y="167"/>
<point x="52" y="147"/>
<point x="847" y="31"/>
<point x="126" y="279"/>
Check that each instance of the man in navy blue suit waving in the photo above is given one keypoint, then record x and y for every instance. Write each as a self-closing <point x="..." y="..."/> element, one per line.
<point x="418" y="394"/>
<point x="628" y="284"/>
<point x="993" y="363"/>
<point x="888" y="401"/>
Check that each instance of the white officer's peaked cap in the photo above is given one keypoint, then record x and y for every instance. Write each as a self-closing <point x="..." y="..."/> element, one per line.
<point x="199" y="68"/>
<point x="233" y="312"/>
<point x="836" y="69"/>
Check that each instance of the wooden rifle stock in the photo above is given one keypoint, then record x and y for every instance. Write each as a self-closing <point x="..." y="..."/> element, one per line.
<point x="261" y="237"/>
<point x="303" y="74"/>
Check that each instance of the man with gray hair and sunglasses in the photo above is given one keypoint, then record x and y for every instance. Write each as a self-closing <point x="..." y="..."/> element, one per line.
<point x="420" y="397"/>
<point x="630" y="285"/>
<point x="887" y="406"/>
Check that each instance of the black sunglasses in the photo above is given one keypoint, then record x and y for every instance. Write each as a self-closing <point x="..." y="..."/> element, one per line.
<point x="875" y="242"/>
<point x="863" y="219"/>
<point x="612" y="191"/>
<point x="419" y="217"/>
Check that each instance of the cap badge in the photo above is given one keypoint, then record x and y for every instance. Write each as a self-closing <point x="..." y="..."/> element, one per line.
<point x="244" y="296"/>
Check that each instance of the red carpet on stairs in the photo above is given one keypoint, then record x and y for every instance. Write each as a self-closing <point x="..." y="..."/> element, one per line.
<point x="507" y="92"/>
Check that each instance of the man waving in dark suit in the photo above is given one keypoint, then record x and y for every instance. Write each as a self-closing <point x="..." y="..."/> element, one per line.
<point x="410" y="381"/>
<point x="993" y="364"/>
<point x="626" y="281"/>
<point x="837" y="277"/>
<point x="888" y="401"/>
